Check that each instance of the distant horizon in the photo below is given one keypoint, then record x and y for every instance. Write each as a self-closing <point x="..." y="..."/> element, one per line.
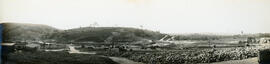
<point x="172" y="33"/>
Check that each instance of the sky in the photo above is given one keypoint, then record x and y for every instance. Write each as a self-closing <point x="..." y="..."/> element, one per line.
<point x="167" y="16"/>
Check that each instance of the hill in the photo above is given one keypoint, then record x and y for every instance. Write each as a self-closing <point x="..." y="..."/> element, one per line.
<point x="103" y="34"/>
<point x="23" y="31"/>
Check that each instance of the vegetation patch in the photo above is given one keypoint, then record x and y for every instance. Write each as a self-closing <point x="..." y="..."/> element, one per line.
<point x="189" y="56"/>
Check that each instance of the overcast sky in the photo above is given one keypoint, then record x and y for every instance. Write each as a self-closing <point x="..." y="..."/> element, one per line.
<point x="168" y="16"/>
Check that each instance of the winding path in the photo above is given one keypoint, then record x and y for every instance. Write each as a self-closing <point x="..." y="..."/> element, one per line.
<point x="116" y="59"/>
<point x="73" y="50"/>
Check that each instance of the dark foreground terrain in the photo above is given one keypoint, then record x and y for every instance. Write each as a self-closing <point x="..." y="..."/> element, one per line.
<point x="56" y="58"/>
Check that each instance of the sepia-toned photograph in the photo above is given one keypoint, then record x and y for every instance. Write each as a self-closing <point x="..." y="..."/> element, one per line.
<point x="135" y="31"/>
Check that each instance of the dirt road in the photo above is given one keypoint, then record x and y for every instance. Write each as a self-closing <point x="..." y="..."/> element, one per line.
<point x="124" y="60"/>
<point x="116" y="59"/>
<point x="73" y="50"/>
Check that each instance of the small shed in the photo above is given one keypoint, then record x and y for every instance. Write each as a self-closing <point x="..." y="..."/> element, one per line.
<point x="8" y="47"/>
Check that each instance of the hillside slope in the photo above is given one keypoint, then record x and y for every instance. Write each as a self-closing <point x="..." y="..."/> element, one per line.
<point x="101" y="34"/>
<point x="23" y="31"/>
